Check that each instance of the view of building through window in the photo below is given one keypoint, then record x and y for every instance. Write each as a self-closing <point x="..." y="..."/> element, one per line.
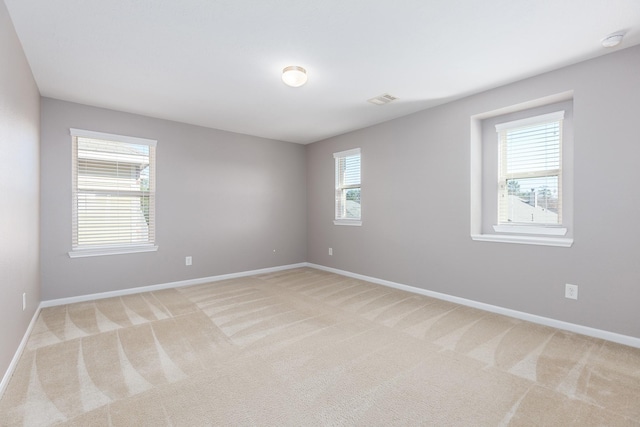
<point x="533" y="200"/>
<point x="530" y="171"/>
<point x="348" y="190"/>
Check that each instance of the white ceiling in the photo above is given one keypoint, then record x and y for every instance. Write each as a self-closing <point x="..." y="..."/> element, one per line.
<point x="217" y="63"/>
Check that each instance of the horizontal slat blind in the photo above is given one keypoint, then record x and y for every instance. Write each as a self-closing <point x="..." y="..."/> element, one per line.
<point x="348" y="189"/>
<point x="113" y="193"/>
<point x="530" y="178"/>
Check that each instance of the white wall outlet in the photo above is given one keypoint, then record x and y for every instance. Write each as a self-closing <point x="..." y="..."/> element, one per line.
<point x="571" y="291"/>
<point x="24" y="301"/>
<point x="331" y="251"/>
<point x="188" y="260"/>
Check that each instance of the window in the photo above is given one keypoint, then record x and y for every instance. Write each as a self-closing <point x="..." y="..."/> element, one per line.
<point x="530" y="175"/>
<point x="348" y="211"/>
<point x="113" y="194"/>
<point x="522" y="173"/>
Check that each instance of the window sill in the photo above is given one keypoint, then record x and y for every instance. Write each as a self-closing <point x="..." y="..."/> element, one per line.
<point x="355" y="222"/>
<point x="564" y="242"/>
<point x="119" y="250"/>
<point x="528" y="229"/>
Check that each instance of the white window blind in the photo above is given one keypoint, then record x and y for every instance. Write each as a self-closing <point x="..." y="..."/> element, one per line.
<point x="113" y="191"/>
<point x="530" y="171"/>
<point x="348" y="185"/>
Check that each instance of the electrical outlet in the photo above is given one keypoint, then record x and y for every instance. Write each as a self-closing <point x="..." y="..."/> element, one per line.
<point x="331" y="251"/>
<point x="188" y="260"/>
<point x="24" y="301"/>
<point x="571" y="291"/>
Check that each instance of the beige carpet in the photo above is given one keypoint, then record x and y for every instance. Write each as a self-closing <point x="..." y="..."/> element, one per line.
<point x="306" y="347"/>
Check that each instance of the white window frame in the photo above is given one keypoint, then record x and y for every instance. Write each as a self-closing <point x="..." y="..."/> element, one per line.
<point x="341" y="187"/>
<point x="503" y="175"/>
<point x="561" y="236"/>
<point x="115" y="248"/>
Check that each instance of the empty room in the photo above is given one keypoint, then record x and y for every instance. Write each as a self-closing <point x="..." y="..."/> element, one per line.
<point x="311" y="213"/>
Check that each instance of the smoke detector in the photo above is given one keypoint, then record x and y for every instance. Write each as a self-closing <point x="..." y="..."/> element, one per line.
<point x="612" y="40"/>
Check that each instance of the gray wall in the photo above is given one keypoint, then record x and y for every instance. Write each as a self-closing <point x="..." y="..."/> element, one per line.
<point x="19" y="191"/>
<point x="228" y="200"/>
<point x="416" y="203"/>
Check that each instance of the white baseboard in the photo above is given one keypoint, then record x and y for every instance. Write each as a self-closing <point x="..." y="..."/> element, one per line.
<point x="101" y="295"/>
<point x="572" y="327"/>
<point x="584" y="330"/>
<point x="179" y="284"/>
<point x="16" y="356"/>
<point x="580" y="329"/>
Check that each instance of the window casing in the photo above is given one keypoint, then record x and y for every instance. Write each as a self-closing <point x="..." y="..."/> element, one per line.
<point x="501" y="198"/>
<point x="113" y="194"/>
<point x="530" y="172"/>
<point x="348" y="188"/>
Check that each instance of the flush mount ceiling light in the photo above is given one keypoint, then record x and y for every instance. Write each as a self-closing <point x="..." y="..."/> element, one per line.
<point x="294" y="76"/>
<point x="612" y="40"/>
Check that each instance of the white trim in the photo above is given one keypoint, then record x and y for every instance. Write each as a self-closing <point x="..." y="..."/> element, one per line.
<point x="530" y="229"/>
<point x="112" y="137"/>
<point x="572" y="327"/>
<point x="346" y="153"/>
<point x="556" y="116"/>
<point x="564" y="242"/>
<point x="119" y="250"/>
<point x="16" y="357"/>
<point x="179" y="284"/>
<point x="476" y="150"/>
<point x="356" y="222"/>
<point x="340" y="187"/>
<point x="101" y="295"/>
<point x="559" y="324"/>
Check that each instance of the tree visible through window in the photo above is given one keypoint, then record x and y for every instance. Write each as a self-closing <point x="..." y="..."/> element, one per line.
<point x="530" y="178"/>
<point x="522" y="173"/>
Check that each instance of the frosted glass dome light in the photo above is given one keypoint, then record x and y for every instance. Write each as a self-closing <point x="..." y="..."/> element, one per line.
<point x="294" y="76"/>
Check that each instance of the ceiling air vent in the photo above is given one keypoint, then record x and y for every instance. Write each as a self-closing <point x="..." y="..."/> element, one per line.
<point x="385" y="98"/>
